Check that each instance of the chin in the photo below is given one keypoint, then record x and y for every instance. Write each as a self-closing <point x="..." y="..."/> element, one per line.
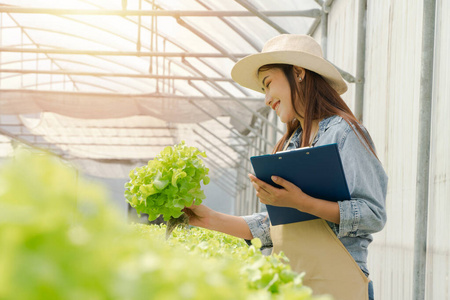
<point x="283" y="119"/>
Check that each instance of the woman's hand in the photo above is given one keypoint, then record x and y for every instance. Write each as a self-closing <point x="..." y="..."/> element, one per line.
<point x="203" y="216"/>
<point x="199" y="215"/>
<point x="289" y="195"/>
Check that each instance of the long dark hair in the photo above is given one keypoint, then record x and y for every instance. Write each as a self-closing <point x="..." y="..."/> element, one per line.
<point x="320" y="101"/>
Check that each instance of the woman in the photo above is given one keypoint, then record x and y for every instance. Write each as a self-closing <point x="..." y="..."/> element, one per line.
<point x="304" y="89"/>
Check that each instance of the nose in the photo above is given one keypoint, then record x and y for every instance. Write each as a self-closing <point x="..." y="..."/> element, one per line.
<point x="268" y="99"/>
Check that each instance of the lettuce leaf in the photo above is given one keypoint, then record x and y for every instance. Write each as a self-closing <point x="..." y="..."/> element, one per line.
<point x="168" y="183"/>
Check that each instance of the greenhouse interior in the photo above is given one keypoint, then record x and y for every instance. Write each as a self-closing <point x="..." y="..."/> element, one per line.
<point x="93" y="91"/>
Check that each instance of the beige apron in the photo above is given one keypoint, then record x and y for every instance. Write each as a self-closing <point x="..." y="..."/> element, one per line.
<point x="313" y="248"/>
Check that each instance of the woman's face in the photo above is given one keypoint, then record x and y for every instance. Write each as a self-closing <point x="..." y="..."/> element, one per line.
<point x="278" y="93"/>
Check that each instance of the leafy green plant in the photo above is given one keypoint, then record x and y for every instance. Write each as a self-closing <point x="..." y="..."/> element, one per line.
<point x="168" y="183"/>
<point x="271" y="274"/>
<point x="61" y="238"/>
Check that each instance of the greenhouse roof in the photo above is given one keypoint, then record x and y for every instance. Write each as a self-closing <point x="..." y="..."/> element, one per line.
<point x="106" y="83"/>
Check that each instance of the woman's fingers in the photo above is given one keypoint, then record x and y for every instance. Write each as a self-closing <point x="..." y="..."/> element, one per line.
<point x="264" y="191"/>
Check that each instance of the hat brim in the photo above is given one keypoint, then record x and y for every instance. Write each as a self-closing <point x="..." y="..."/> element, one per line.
<point x="245" y="71"/>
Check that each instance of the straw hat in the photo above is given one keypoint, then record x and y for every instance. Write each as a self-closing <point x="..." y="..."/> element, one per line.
<point x="293" y="49"/>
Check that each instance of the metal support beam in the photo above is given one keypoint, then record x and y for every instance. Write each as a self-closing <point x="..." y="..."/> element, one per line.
<point x="101" y="74"/>
<point x="51" y="82"/>
<point x="236" y="29"/>
<point x="165" y="38"/>
<point x="324" y="37"/>
<point x="59" y="135"/>
<point x="360" y="60"/>
<point x="226" y="186"/>
<point x="27" y="143"/>
<point x="171" y="40"/>
<point x="261" y="15"/>
<point x="326" y="7"/>
<point x="51" y="149"/>
<point x="347" y="76"/>
<point x="97" y="144"/>
<point x="75" y="85"/>
<point x="423" y="149"/>
<point x="225" y="92"/>
<point x="236" y="165"/>
<point x="232" y="130"/>
<point x="314" y="26"/>
<point x="207" y="39"/>
<point x="109" y="95"/>
<point x="320" y="2"/>
<point x="102" y="127"/>
<point x="257" y="114"/>
<point x="225" y="178"/>
<point x="322" y="20"/>
<point x="160" y="13"/>
<point x="233" y="179"/>
<point x="230" y="162"/>
<point x="208" y="64"/>
<point x="119" y="53"/>
<point x="222" y="141"/>
<point x="232" y="115"/>
<point x="213" y="84"/>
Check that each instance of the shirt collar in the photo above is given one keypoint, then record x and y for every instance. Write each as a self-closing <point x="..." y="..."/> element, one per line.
<point x="323" y="126"/>
<point x="327" y="122"/>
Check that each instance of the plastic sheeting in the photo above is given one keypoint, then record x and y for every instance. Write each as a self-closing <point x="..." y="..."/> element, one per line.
<point x="169" y="108"/>
<point x="111" y="87"/>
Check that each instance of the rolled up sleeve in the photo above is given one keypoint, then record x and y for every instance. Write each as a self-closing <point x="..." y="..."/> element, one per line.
<point x="349" y="216"/>
<point x="365" y="212"/>
<point x="259" y="225"/>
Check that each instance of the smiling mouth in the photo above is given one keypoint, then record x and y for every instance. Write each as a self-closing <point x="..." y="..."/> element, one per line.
<point x="276" y="105"/>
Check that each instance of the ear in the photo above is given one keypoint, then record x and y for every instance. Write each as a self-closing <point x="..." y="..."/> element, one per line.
<point x="299" y="72"/>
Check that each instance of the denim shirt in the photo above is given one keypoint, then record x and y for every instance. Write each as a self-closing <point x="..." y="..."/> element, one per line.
<point x="361" y="215"/>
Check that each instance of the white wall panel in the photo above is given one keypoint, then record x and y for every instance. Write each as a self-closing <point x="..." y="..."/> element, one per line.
<point x="342" y="35"/>
<point x="391" y="105"/>
<point x="391" y="113"/>
<point x="438" y="260"/>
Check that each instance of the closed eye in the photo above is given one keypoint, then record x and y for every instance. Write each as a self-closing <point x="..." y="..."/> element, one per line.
<point x="267" y="86"/>
<point x="264" y="84"/>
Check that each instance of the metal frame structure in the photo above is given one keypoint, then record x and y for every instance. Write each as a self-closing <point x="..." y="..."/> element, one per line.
<point x="423" y="151"/>
<point x="164" y="13"/>
<point x="256" y="138"/>
<point x="320" y="15"/>
<point x="261" y="134"/>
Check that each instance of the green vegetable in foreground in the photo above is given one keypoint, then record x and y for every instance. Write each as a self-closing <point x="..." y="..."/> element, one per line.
<point x="61" y="238"/>
<point x="168" y="183"/>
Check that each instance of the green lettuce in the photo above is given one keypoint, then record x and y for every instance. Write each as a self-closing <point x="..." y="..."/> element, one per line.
<point x="168" y="183"/>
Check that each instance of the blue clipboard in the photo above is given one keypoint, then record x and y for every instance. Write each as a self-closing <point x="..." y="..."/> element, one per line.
<point x="317" y="171"/>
